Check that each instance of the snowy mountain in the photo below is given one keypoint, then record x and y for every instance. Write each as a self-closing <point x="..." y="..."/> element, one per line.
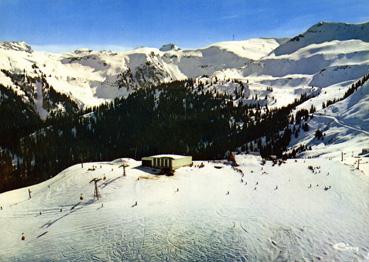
<point x="327" y="54"/>
<point x="325" y="32"/>
<point x="327" y="61"/>
<point x="168" y="47"/>
<point x="91" y="78"/>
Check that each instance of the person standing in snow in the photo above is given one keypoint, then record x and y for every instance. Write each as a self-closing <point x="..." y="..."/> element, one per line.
<point x="29" y="193"/>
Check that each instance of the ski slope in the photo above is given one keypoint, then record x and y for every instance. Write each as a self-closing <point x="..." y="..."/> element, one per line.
<point x="214" y="213"/>
<point x="345" y="124"/>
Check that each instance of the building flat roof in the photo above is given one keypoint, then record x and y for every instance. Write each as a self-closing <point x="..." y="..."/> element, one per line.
<point x="168" y="156"/>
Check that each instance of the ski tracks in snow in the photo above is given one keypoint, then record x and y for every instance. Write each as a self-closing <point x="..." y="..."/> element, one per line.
<point x="342" y="124"/>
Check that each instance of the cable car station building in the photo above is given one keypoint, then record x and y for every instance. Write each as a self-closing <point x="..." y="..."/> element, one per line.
<point x="171" y="162"/>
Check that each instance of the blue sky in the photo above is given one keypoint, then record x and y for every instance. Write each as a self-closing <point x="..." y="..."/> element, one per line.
<point x="67" y="24"/>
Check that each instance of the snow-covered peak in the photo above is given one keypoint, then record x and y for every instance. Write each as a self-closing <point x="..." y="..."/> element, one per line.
<point x="169" y="47"/>
<point x="16" y="46"/>
<point x="325" y="32"/>
<point x="252" y="49"/>
<point x="82" y="51"/>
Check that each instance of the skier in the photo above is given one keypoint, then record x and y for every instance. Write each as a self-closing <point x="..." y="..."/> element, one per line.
<point x="23" y="237"/>
<point x="276" y="188"/>
<point x="177" y="189"/>
<point x="227" y="193"/>
<point x="81" y="197"/>
<point x="29" y="193"/>
<point x="309" y="186"/>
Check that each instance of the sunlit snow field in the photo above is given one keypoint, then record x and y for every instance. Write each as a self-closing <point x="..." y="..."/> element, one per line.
<point x="212" y="213"/>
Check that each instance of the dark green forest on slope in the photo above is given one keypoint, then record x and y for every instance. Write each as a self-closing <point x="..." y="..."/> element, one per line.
<point x="174" y="117"/>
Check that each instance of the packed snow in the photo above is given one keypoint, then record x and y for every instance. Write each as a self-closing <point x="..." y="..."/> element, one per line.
<point x="304" y="209"/>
